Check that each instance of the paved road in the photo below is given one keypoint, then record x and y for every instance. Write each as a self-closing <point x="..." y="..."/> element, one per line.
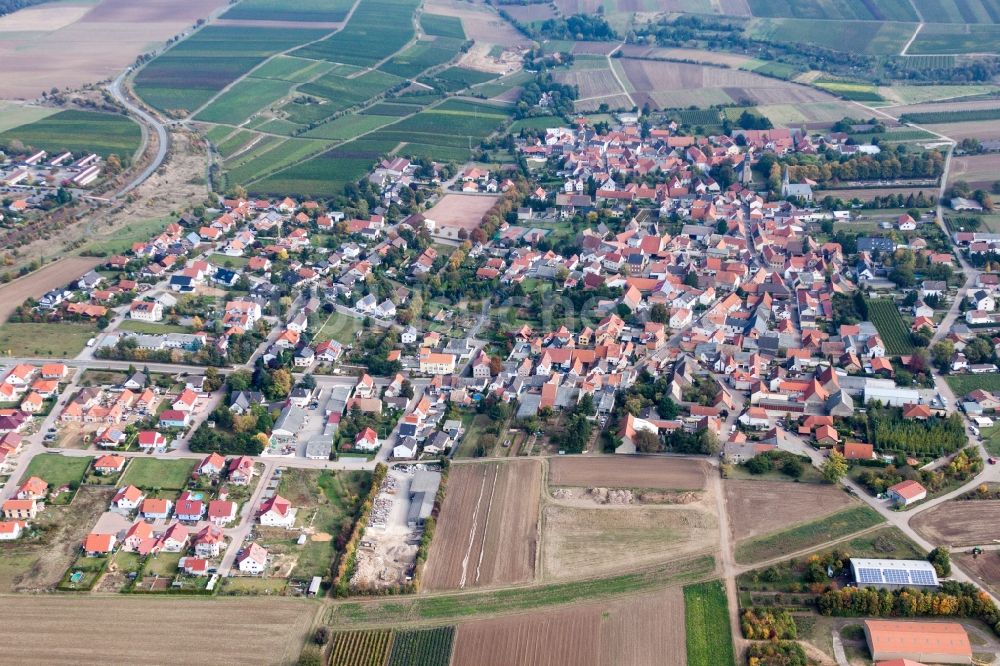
<point x="163" y="139"/>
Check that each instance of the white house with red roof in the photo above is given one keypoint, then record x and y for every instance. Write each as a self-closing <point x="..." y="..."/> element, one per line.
<point x="212" y="465"/>
<point x="221" y="512"/>
<point x="277" y="512"/>
<point x="127" y="499"/>
<point x="367" y="440"/>
<point x="150" y="440"/>
<point x="189" y="508"/>
<point x="252" y="559"/>
<point x="209" y="541"/>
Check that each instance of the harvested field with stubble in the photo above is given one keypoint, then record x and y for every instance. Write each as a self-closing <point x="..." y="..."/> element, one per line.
<point x="56" y="274"/>
<point x="464" y="211"/>
<point x="596" y="541"/>
<point x="628" y="472"/>
<point x="487" y="533"/>
<point x="678" y="85"/>
<point x="960" y="523"/>
<point x="92" y="630"/>
<point x="787" y="504"/>
<point x="645" y="630"/>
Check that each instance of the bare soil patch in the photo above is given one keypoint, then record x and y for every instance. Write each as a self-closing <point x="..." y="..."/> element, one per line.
<point x="654" y="472"/>
<point x="984" y="569"/>
<point x="529" y="13"/>
<point x="98" y="43"/>
<point x="592" y="82"/>
<point x="588" y="497"/>
<point x="762" y="507"/>
<point x="639" y="631"/>
<point x="487" y="533"/>
<point x="464" y="211"/>
<point x="960" y="523"/>
<point x="84" y="630"/>
<point x="590" y="541"/>
<point x="57" y="274"/>
<point x="693" y="55"/>
<point x="979" y="129"/>
<point x="977" y="170"/>
<point x="594" y="48"/>
<point x="481" y="24"/>
<point x="44" y="18"/>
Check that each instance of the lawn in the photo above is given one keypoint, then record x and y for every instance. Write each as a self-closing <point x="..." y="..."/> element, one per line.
<point x="339" y="327"/>
<point x="253" y="585"/>
<point x="809" y="534"/>
<point x="440" y="607"/>
<point x="79" y="132"/>
<point x="991" y="440"/>
<point x="706" y="621"/>
<point x="963" y="384"/>
<point x="62" y="340"/>
<point x="163" y="564"/>
<point x="148" y="473"/>
<point x="58" y="470"/>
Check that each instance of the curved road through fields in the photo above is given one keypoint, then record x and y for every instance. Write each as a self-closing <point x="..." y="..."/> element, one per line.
<point x="116" y="90"/>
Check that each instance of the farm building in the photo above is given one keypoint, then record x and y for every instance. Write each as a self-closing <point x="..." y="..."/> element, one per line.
<point x="892" y="574"/>
<point x="423" y="489"/>
<point x="905" y="493"/>
<point x="934" y="642"/>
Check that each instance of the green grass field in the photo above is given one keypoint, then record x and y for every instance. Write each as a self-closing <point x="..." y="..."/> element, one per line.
<point x="807" y="535"/>
<point x="15" y="114"/>
<point x="134" y="232"/>
<point x="963" y="384"/>
<point x="706" y="623"/>
<point x="884" y="10"/>
<point x="440" y="607"/>
<point x="957" y="39"/>
<point x="57" y="470"/>
<point x="148" y="473"/>
<point x="377" y="29"/>
<point x="422" y="55"/>
<point x="442" y="26"/>
<point x="79" y="131"/>
<point x="62" y="340"/>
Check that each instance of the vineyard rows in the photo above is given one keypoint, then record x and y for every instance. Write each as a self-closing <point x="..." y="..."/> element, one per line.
<point x="387" y="647"/>
<point x="896" y="336"/>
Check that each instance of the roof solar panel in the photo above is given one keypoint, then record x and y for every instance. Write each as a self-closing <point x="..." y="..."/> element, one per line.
<point x="922" y="577"/>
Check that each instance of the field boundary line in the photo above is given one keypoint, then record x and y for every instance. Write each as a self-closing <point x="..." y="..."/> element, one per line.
<point x="472" y="534"/>
<point x="906" y="46"/>
<point x="611" y="66"/>
<point x="486" y="523"/>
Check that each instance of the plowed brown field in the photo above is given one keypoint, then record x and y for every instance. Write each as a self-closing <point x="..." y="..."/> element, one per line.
<point x="960" y="523"/>
<point x="628" y="472"/>
<point x="487" y="531"/>
<point x="639" y="631"/>
<point x="101" y="630"/>
<point x="762" y="507"/>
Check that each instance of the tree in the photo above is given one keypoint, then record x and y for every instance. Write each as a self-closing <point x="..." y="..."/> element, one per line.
<point x="835" y="467"/>
<point x="659" y="313"/>
<point x="646" y="441"/>
<point x="281" y="383"/>
<point x="240" y="380"/>
<point x="941" y="353"/>
<point x="940" y="557"/>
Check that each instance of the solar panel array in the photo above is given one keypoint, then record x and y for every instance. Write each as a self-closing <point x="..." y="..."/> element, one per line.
<point x="893" y="576"/>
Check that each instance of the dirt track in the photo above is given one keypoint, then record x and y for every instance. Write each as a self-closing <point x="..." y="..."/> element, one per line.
<point x="155" y="630"/>
<point x="628" y="472"/>
<point x="54" y="275"/>
<point x="487" y="531"/>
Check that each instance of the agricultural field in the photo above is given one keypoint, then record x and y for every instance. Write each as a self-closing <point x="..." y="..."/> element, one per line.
<point x="955" y="11"/>
<point x="811" y="114"/>
<point x="377" y="29"/>
<point x="349" y="126"/>
<point x="254" y="165"/>
<point x="62" y="628"/>
<point x="460" y="210"/>
<point x="963" y="384"/>
<point x="428" y="647"/>
<point x="438" y="608"/>
<point x="79" y="131"/>
<point x="62" y="340"/>
<point x="489" y="517"/>
<point x="243" y="100"/>
<point x="123" y="237"/>
<point x="360" y="648"/>
<point x="787" y="504"/>
<point x="680" y="85"/>
<point x="422" y="55"/>
<point x="952" y="116"/>
<point x="859" y="92"/>
<point x="148" y="473"/>
<point x="342" y="93"/>
<point x="604" y="539"/>
<point x="801" y="537"/>
<point x="628" y="472"/>
<point x="315" y="11"/>
<point x="985" y="569"/>
<point x="193" y="71"/>
<point x="641" y="631"/>
<point x="292" y="69"/>
<point x="924" y="94"/>
<point x="980" y="130"/>
<point x="960" y="523"/>
<point x="442" y="26"/>
<point x="885" y="10"/>
<point x="592" y="77"/>
<point x="979" y="171"/>
<point x="14" y="114"/>
<point x="957" y="39"/>
<point x="706" y="621"/>
<point x="872" y="37"/>
<point x="896" y="335"/>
